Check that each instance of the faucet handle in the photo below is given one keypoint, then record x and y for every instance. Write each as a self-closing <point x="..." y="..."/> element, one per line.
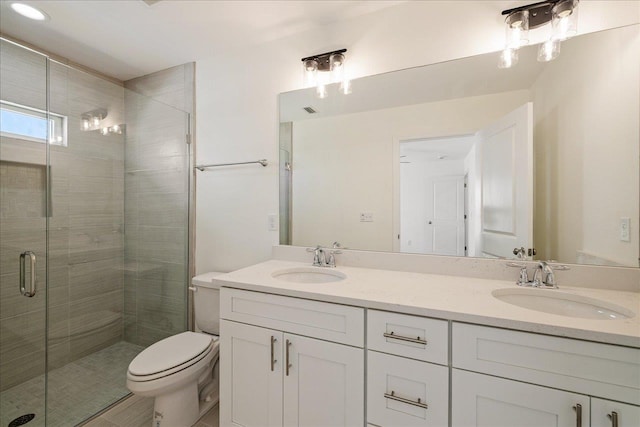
<point x="558" y="267"/>
<point x="523" y="278"/>
<point x="519" y="252"/>
<point x="318" y="255"/>
<point x="516" y="264"/>
<point x="331" y="262"/>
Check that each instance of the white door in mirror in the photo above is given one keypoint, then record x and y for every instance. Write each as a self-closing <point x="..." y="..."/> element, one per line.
<point x="507" y="183"/>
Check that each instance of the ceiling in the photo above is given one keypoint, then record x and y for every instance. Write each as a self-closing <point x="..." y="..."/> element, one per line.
<point x="130" y="38"/>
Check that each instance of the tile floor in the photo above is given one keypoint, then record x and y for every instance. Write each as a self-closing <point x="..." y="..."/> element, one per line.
<point x="76" y="391"/>
<point x="137" y="411"/>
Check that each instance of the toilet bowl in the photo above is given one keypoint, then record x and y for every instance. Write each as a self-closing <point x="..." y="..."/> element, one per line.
<point x="174" y="371"/>
<point x="181" y="371"/>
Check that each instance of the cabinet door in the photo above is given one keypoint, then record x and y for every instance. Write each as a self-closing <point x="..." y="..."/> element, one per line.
<point x="482" y="400"/>
<point x="250" y="375"/>
<point x="324" y="385"/>
<point x="605" y="413"/>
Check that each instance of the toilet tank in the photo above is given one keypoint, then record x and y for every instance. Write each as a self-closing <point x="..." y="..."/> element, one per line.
<point x="206" y="303"/>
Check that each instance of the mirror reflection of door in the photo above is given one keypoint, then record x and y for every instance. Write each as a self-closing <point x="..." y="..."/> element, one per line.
<point x="469" y="195"/>
<point x="432" y="195"/>
<point x="507" y="183"/>
<point x="445" y="224"/>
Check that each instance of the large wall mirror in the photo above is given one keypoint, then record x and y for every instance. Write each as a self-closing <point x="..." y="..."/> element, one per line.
<point x="462" y="158"/>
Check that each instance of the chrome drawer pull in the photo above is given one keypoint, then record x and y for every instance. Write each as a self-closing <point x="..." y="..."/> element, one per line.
<point x="613" y="416"/>
<point x="273" y="359"/>
<point x="417" y="403"/>
<point x="287" y="364"/>
<point x="401" y="338"/>
<point x="578" y="409"/>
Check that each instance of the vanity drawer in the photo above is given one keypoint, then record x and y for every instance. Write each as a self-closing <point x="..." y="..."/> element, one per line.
<point x="417" y="337"/>
<point x="332" y="322"/>
<point x="601" y="370"/>
<point x="406" y="379"/>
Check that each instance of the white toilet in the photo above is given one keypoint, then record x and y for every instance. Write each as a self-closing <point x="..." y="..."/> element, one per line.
<point x="181" y="371"/>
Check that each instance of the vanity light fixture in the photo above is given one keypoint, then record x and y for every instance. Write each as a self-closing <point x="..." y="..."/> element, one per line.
<point x="326" y="68"/>
<point x="91" y="119"/>
<point x="563" y="16"/>
<point x="29" y="11"/>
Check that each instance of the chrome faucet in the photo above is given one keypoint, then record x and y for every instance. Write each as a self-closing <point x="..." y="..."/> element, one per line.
<point x="543" y="276"/>
<point x="320" y="258"/>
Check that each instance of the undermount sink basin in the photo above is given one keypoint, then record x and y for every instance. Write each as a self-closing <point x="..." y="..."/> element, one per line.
<point x="564" y="304"/>
<point x="309" y="275"/>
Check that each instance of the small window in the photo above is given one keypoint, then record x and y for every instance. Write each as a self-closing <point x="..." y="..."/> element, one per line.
<point x="30" y="124"/>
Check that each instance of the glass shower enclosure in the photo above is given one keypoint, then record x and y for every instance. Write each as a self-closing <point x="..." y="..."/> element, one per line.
<point x="94" y="236"/>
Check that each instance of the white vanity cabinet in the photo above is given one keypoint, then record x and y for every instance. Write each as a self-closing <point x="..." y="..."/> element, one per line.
<point x="483" y="400"/>
<point x="280" y="370"/>
<point x="545" y="381"/>
<point x="403" y="387"/>
<point x="606" y="413"/>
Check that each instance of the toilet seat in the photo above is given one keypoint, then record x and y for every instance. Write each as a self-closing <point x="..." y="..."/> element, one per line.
<point x="170" y="355"/>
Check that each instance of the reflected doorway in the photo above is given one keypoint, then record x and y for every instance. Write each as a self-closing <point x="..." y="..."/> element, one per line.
<point x="432" y="195"/>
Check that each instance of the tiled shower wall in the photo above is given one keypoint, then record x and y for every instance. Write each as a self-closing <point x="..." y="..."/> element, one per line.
<point x="86" y="238"/>
<point x="156" y="204"/>
<point x="118" y="261"/>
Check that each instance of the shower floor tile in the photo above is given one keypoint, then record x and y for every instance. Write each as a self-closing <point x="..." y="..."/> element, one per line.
<point x="77" y="390"/>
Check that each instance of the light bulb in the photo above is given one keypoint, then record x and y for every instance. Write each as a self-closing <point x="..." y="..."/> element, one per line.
<point x="115" y="129"/>
<point x="549" y="50"/>
<point x="336" y="65"/>
<point x="104" y="131"/>
<point x="321" y="91"/>
<point x="85" y="124"/>
<point x="565" y="19"/>
<point x="29" y="11"/>
<point x="508" y="58"/>
<point x="310" y="70"/>
<point x="517" y="31"/>
<point x="96" y="121"/>
<point x="345" y="87"/>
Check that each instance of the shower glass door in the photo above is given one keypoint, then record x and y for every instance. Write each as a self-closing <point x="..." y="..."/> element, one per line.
<point x="25" y="130"/>
<point x="94" y="235"/>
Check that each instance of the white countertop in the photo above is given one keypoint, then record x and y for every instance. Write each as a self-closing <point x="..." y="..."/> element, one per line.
<point x="455" y="298"/>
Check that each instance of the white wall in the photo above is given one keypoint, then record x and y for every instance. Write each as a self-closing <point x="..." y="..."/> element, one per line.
<point x="237" y="115"/>
<point x="581" y="163"/>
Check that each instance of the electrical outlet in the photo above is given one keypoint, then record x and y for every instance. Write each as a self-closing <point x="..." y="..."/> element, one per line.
<point x="625" y="234"/>
<point x="366" y="217"/>
<point x="272" y="219"/>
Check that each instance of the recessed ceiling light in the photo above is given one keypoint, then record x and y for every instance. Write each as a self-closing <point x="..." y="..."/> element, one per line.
<point x="29" y="11"/>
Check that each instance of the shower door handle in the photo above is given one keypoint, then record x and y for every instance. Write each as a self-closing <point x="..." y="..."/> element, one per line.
<point x="32" y="279"/>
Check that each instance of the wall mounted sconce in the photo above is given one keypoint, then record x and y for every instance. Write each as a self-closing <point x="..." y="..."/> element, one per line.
<point x="326" y="68"/>
<point x="91" y="119"/>
<point x="113" y="130"/>
<point x="563" y="16"/>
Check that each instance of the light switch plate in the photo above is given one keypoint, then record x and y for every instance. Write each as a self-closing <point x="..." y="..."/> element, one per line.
<point x="273" y="222"/>
<point x="625" y="234"/>
<point x="366" y="217"/>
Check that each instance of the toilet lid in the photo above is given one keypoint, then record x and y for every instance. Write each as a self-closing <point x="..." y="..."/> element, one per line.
<point x="169" y="353"/>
